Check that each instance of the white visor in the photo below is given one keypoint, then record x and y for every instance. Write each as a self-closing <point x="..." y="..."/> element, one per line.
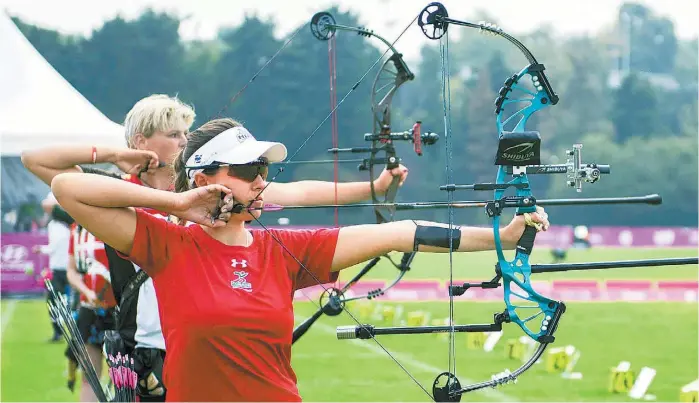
<point x="236" y="146"/>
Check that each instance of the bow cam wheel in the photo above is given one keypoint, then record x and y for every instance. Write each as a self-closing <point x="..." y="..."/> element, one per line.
<point x="332" y="301"/>
<point x="444" y="387"/>
<point x="431" y="20"/>
<point x="323" y="25"/>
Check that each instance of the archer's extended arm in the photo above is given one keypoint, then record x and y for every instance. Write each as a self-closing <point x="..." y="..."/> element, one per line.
<point x="359" y="243"/>
<point x="47" y="163"/>
<point x="308" y="193"/>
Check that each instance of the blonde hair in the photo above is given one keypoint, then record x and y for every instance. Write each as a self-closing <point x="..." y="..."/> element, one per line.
<point x="154" y="113"/>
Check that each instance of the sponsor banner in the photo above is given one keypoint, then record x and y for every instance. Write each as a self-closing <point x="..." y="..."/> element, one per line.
<point x="20" y="268"/>
<point x="661" y="237"/>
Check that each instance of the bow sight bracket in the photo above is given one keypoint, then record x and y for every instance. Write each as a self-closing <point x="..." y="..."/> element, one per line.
<point x="577" y="172"/>
<point x="385" y="139"/>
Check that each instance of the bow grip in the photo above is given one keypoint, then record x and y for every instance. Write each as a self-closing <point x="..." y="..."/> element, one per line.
<point x="526" y="241"/>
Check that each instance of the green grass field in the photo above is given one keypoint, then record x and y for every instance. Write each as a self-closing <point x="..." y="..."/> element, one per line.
<point x="658" y="335"/>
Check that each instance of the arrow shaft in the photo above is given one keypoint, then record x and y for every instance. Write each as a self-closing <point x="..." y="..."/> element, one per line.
<point x="649" y="199"/>
<point x="355" y="160"/>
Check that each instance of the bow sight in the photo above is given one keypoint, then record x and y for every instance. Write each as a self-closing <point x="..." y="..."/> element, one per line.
<point x="384" y="140"/>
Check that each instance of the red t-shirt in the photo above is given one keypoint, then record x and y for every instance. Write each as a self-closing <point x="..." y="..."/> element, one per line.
<point x="89" y="254"/>
<point x="226" y="311"/>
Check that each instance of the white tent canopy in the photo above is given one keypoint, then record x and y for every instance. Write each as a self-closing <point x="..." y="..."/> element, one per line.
<point x="38" y="107"/>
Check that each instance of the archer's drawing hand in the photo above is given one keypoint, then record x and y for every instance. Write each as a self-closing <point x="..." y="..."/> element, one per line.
<point x="198" y="204"/>
<point x="382" y="183"/>
<point x="227" y="209"/>
<point x="136" y="161"/>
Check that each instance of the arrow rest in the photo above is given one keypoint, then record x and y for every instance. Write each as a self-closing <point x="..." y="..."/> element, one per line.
<point x="445" y="386"/>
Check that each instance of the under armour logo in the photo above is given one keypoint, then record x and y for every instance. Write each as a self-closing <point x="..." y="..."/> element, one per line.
<point x="243" y="263"/>
<point x="197" y="158"/>
<point x="241" y="283"/>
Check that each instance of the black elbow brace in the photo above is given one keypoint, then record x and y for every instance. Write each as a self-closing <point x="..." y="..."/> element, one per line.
<point x="437" y="236"/>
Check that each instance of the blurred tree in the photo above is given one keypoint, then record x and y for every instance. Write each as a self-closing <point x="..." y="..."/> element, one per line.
<point x="635" y="112"/>
<point x="653" y="44"/>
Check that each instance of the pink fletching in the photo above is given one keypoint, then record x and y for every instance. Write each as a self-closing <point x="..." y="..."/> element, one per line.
<point x="272" y="207"/>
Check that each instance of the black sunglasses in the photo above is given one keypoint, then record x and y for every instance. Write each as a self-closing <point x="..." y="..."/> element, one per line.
<point x="249" y="172"/>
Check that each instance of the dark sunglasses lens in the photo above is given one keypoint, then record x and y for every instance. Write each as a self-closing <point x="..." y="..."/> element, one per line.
<point x="248" y="172"/>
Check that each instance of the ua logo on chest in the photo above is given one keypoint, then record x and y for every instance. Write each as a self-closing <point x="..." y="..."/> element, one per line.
<point x="243" y="263"/>
<point x="240" y="282"/>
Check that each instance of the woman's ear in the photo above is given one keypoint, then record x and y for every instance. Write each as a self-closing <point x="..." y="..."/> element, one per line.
<point x="201" y="180"/>
<point x="139" y="141"/>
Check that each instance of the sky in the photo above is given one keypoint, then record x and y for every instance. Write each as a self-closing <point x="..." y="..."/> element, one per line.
<point x="386" y="17"/>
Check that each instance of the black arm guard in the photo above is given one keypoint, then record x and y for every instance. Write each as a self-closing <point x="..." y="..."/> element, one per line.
<point x="437" y="236"/>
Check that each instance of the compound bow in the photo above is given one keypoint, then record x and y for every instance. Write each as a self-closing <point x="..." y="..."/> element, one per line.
<point x="518" y="155"/>
<point x="393" y="73"/>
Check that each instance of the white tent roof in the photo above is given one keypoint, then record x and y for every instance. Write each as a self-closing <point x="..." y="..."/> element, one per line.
<point x="38" y="107"/>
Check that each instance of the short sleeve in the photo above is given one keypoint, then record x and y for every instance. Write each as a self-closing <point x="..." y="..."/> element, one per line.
<point x="156" y="242"/>
<point x="315" y="249"/>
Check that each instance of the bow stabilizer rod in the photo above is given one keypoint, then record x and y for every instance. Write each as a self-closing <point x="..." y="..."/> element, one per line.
<point x="618" y="264"/>
<point x="458" y="290"/>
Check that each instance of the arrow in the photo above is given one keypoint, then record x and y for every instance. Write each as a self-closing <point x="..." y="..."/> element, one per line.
<point x="653" y="199"/>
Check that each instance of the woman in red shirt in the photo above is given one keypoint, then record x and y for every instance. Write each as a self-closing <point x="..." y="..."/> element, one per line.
<point x="225" y="292"/>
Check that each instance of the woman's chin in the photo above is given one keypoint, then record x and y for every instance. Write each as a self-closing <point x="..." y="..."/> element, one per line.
<point x="251" y="215"/>
<point x="255" y="214"/>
